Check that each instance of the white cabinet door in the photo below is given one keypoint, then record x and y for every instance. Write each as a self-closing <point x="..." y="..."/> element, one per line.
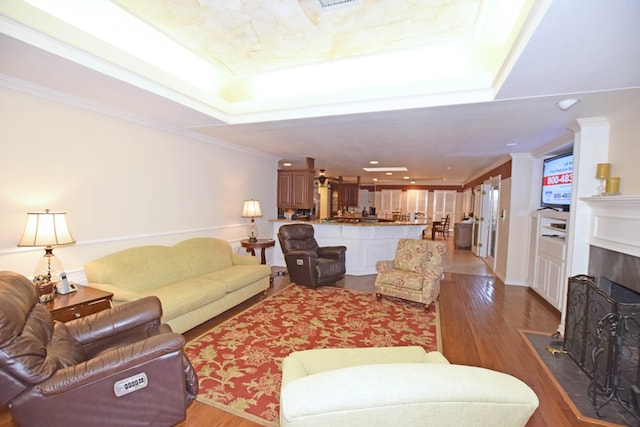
<point x="555" y="283"/>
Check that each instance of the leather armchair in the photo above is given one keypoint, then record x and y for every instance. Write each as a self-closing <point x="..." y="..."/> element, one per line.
<point x="113" y="368"/>
<point x="307" y="263"/>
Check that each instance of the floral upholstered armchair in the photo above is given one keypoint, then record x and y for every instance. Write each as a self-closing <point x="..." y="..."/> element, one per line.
<point x="415" y="272"/>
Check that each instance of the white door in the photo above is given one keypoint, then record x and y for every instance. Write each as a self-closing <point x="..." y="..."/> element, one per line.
<point x="481" y="220"/>
<point x="494" y="206"/>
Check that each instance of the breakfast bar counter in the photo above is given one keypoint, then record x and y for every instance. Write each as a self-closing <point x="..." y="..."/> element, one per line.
<point x="366" y="241"/>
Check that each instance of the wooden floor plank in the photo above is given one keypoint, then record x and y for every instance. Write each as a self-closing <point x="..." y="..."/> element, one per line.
<point x="480" y="320"/>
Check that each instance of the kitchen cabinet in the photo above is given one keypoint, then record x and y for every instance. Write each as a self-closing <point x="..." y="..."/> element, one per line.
<point x="348" y="195"/>
<point x="295" y="189"/>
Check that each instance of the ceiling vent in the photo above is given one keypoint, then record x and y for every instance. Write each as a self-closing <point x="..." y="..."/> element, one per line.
<point x="334" y="4"/>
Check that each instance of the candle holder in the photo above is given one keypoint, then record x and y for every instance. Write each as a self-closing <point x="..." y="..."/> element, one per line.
<point x="613" y="186"/>
<point x="602" y="173"/>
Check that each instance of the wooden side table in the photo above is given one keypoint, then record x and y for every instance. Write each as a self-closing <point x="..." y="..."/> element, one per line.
<point x="84" y="301"/>
<point x="258" y="244"/>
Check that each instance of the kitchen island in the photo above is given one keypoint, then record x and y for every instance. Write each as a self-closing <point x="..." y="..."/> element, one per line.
<point x="366" y="241"/>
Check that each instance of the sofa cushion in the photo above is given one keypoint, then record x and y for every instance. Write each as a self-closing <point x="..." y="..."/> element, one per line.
<point x="239" y="276"/>
<point x="139" y="269"/>
<point x="186" y="295"/>
<point x="410" y="255"/>
<point x="205" y="255"/>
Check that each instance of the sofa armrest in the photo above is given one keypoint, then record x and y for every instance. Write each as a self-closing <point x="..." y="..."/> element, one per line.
<point x="119" y="295"/>
<point x="237" y="259"/>
<point x="141" y="315"/>
<point x="309" y="362"/>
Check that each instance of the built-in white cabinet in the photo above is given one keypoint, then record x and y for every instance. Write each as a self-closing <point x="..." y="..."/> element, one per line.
<point x="548" y="257"/>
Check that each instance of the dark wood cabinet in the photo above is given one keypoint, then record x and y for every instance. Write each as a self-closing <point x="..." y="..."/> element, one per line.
<point x="295" y="189"/>
<point x="348" y="195"/>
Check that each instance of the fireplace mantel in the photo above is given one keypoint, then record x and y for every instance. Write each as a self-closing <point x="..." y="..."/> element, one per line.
<point x="615" y="223"/>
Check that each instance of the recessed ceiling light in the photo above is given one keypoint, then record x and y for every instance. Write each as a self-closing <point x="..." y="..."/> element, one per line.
<point x="565" y="104"/>
<point x="286" y="164"/>
<point x="391" y="169"/>
<point x="389" y="173"/>
<point x="406" y="177"/>
<point x="375" y="179"/>
<point x="413" y="182"/>
<point x="511" y="144"/>
<point x="373" y="162"/>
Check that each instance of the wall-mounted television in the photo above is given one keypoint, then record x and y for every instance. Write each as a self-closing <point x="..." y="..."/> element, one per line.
<point x="557" y="180"/>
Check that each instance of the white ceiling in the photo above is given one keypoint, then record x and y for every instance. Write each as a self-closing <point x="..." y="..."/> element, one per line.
<point x="568" y="48"/>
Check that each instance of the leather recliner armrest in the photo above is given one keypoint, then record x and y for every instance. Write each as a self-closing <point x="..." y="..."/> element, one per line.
<point x="111" y="362"/>
<point x="300" y="253"/>
<point x="331" y="251"/>
<point x="139" y="314"/>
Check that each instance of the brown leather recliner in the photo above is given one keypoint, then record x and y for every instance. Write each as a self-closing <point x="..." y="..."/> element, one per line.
<point x="307" y="263"/>
<point x="118" y="367"/>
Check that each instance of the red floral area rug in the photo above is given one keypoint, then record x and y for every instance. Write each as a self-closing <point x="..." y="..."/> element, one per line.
<point x="239" y="361"/>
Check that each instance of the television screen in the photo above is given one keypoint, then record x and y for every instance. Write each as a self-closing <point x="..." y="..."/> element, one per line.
<point x="557" y="179"/>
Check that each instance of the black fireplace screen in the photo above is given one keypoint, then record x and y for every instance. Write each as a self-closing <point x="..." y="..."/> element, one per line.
<point x="602" y="331"/>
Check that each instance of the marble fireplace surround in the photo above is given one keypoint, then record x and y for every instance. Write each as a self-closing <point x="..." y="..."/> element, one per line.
<point x="614" y="239"/>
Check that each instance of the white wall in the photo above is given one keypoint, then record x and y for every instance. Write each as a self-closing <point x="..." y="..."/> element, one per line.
<point x="624" y="149"/>
<point x="518" y="213"/>
<point x="123" y="184"/>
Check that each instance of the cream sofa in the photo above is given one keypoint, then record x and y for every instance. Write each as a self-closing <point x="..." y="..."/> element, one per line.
<point x="397" y="386"/>
<point x="195" y="280"/>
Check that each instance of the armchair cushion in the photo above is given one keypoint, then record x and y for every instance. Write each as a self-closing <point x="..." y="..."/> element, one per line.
<point x="403" y="279"/>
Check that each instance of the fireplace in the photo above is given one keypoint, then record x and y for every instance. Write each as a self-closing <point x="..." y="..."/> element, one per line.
<point x="601" y="317"/>
<point x="602" y="335"/>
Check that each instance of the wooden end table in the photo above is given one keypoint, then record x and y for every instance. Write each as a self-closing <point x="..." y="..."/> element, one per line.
<point x="74" y="305"/>
<point x="258" y="244"/>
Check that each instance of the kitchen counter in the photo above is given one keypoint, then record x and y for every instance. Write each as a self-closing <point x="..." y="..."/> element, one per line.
<point x="366" y="241"/>
<point x="354" y="221"/>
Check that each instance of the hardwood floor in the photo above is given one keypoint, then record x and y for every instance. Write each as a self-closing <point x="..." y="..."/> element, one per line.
<point x="480" y="320"/>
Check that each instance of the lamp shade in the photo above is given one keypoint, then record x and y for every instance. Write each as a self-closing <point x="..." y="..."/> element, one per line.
<point x="46" y="229"/>
<point x="251" y="209"/>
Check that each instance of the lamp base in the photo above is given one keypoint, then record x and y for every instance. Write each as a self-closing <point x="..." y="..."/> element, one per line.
<point x="252" y="231"/>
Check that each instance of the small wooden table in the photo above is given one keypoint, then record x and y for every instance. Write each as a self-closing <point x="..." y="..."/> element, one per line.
<point x="258" y="244"/>
<point x="84" y="301"/>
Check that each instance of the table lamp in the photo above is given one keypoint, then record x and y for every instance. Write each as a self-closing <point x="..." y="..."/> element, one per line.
<point x="47" y="229"/>
<point x="251" y="209"/>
